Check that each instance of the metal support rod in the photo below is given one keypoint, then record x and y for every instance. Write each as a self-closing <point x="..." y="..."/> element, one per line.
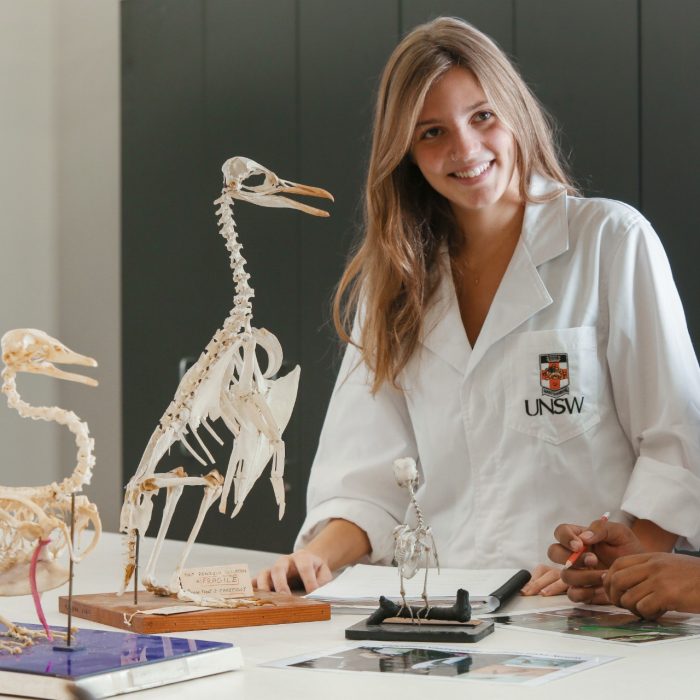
<point x="136" y="569"/>
<point x="70" y="567"/>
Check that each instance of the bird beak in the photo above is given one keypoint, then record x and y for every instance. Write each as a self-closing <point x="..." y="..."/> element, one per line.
<point x="273" y="196"/>
<point x="305" y="190"/>
<point x="65" y="356"/>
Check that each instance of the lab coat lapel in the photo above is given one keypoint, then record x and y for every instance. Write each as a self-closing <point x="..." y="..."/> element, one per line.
<point x="443" y="330"/>
<point x="522" y="293"/>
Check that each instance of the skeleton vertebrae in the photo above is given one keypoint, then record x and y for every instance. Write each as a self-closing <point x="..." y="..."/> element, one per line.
<point x="226" y="382"/>
<point x="34" y="530"/>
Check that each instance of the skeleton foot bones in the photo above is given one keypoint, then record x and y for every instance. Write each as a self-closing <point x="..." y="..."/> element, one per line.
<point x="34" y="521"/>
<point x="225" y="383"/>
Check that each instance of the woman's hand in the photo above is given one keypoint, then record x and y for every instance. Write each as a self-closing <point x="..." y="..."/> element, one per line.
<point x="338" y="544"/>
<point x="302" y="566"/>
<point x="545" y="581"/>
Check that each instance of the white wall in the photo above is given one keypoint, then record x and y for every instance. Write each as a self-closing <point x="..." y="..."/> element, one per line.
<point x="59" y="226"/>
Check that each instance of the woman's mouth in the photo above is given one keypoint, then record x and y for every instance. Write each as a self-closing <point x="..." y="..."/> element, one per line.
<point x="473" y="172"/>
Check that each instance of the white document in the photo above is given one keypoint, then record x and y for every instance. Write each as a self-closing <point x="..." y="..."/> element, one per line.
<point x="357" y="589"/>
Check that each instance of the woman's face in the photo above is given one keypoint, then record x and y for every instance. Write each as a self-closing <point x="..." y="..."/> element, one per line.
<point x="462" y="148"/>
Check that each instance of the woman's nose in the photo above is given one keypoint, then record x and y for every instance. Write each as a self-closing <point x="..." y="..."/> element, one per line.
<point x="465" y="145"/>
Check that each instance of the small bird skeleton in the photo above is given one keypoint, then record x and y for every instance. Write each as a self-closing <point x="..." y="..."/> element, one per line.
<point x="414" y="546"/>
<point x="226" y="382"/>
<point x="33" y="529"/>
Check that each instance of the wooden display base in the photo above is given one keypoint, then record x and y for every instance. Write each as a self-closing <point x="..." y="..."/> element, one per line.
<point x="119" y="611"/>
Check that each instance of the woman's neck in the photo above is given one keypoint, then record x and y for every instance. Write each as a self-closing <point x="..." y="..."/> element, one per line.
<point x="485" y="229"/>
<point x="479" y="264"/>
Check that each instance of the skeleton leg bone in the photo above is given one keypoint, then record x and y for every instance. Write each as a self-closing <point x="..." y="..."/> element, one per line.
<point x="172" y="496"/>
<point x="35" y="591"/>
<point x="174" y="483"/>
<point x="212" y="490"/>
<point x="135" y="518"/>
<point x="424" y="594"/>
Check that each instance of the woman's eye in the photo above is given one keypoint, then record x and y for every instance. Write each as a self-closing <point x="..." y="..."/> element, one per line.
<point x="431" y="133"/>
<point x="483" y="116"/>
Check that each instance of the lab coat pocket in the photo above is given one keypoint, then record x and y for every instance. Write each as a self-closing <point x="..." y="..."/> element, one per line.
<point x="552" y="383"/>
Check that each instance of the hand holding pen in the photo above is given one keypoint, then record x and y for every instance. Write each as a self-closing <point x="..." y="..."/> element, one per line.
<point x="580" y="547"/>
<point x="592" y="550"/>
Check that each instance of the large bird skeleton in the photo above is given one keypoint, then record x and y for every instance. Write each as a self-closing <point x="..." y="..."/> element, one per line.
<point x="225" y="383"/>
<point x="35" y="521"/>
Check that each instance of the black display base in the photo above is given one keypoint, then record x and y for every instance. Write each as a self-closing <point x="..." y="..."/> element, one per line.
<point x="451" y="633"/>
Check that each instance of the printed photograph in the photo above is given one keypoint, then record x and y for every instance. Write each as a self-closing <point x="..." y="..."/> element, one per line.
<point x="504" y="667"/>
<point x="612" y="626"/>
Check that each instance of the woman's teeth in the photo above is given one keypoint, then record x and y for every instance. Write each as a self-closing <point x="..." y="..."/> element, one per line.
<point x="473" y="172"/>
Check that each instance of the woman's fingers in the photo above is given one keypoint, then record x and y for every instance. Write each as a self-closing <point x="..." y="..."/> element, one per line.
<point x="281" y="572"/>
<point x="312" y="570"/>
<point x="556" y="588"/>
<point x="301" y="566"/>
<point x="542" y="577"/>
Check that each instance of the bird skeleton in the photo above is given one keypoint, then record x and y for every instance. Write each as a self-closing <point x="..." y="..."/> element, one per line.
<point x="414" y="546"/>
<point x="225" y="383"/>
<point x="34" y="532"/>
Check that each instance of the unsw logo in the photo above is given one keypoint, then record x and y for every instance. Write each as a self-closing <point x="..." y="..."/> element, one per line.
<point x="554" y="382"/>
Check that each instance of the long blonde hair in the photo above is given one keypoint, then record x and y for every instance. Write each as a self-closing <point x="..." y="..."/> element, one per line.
<point x="393" y="273"/>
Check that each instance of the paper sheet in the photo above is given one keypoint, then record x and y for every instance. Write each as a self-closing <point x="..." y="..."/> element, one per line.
<point x="362" y="584"/>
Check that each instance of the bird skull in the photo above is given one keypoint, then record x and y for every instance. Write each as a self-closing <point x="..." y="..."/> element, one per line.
<point x="270" y="192"/>
<point x="33" y="351"/>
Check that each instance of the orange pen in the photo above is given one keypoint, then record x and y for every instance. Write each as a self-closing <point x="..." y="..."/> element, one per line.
<point x="575" y="555"/>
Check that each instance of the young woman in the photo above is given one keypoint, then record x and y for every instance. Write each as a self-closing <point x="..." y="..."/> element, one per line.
<point x="525" y="345"/>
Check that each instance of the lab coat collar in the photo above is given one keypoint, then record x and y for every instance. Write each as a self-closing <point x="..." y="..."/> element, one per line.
<point x="521" y="294"/>
<point x="545" y="224"/>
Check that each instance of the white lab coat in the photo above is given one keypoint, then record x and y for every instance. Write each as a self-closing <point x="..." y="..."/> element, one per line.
<point x="504" y="453"/>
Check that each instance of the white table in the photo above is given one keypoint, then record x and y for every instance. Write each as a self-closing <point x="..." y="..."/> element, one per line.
<point x="665" y="671"/>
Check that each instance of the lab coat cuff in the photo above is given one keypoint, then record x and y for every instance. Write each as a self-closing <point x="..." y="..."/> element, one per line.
<point x="375" y="521"/>
<point x="669" y="496"/>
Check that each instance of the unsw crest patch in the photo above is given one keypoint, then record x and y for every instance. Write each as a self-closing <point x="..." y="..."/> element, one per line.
<point x="554" y="374"/>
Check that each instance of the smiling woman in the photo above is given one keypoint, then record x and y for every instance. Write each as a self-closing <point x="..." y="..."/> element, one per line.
<point x="517" y="340"/>
<point x="467" y="154"/>
<point x="462" y="148"/>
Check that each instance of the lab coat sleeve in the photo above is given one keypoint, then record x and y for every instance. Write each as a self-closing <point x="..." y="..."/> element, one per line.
<point x="656" y="383"/>
<point x="352" y="475"/>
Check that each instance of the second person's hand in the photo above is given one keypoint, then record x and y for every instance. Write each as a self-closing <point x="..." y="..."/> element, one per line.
<point x="606" y="541"/>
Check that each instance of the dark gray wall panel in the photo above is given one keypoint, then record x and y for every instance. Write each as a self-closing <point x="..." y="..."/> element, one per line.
<point x="164" y="208"/>
<point x="670" y="144"/>
<point x="581" y="60"/>
<point x="494" y="17"/>
<point x="250" y="96"/>
<point x="341" y="56"/>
